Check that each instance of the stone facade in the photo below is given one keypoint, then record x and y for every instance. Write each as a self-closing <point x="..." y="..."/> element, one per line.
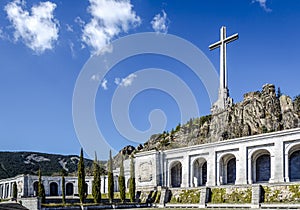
<point x="27" y="185"/>
<point x="264" y="158"/>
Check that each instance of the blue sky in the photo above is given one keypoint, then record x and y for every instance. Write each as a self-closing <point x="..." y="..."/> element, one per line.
<point x="45" y="44"/>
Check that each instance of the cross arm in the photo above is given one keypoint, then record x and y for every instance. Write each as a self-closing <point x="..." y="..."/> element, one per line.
<point x="231" y="38"/>
<point x="215" y="45"/>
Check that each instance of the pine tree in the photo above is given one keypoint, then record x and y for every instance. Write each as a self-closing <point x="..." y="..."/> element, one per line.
<point x="63" y="188"/>
<point x="132" y="180"/>
<point x="122" y="181"/>
<point x="97" y="181"/>
<point x="15" y="190"/>
<point x="110" y="179"/>
<point x="279" y="92"/>
<point x="81" y="178"/>
<point x="41" y="189"/>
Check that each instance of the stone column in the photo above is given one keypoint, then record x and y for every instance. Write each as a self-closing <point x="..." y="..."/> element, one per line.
<point x="241" y="166"/>
<point x="286" y="167"/>
<point x="277" y="165"/>
<point x="211" y="168"/>
<point x="204" y="196"/>
<point x="185" y="171"/>
<point x="256" y="196"/>
<point x="9" y="189"/>
<point x="249" y="169"/>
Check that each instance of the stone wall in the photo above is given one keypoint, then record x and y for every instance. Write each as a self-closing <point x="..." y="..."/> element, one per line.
<point x="185" y="196"/>
<point x="282" y="193"/>
<point x="231" y="195"/>
<point x="31" y="203"/>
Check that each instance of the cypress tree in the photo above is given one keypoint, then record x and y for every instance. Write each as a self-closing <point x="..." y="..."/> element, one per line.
<point x="110" y="179"/>
<point x="81" y="178"/>
<point x="97" y="181"/>
<point x="122" y="181"/>
<point x="132" y="180"/>
<point x="63" y="189"/>
<point x="15" y="190"/>
<point x="41" y="189"/>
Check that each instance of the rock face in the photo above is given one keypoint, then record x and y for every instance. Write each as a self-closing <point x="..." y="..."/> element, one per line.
<point x="259" y="112"/>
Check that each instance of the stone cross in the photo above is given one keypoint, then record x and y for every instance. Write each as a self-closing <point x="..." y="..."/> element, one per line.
<point x="223" y="89"/>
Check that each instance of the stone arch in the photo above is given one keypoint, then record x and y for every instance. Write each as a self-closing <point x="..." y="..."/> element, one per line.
<point x="261" y="166"/>
<point x="176" y="174"/>
<point x="69" y="189"/>
<point x="199" y="172"/>
<point x="227" y="169"/>
<point x="53" y="189"/>
<point x="35" y="188"/>
<point x="294" y="163"/>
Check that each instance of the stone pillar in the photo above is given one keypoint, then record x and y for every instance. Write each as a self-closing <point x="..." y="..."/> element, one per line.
<point x="277" y="165"/>
<point x="211" y="168"/>
<point x="241" y="166"/>
<point x="256" y="196"/>
<point x="249" y="171"/>
<point x="286" y="167"/>
<point x="164" y="196"/>
<point x="204" y="196"/>
<point x="185" y="171"/>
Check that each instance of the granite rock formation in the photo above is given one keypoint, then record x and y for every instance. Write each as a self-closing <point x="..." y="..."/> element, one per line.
<point x="259" y="112"/>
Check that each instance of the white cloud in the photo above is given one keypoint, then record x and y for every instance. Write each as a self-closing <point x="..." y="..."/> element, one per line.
<point x="69" y="28"/>
<point x="125" y="82"/>
<point x="263" y="4"/>
<point x="37" y="29"/>
<point x="79" y="21"/>
<point x="109" y="19"/>
<point x="71" y="44"/>
<point x="104" y="84"/>
<point x="160" y="23"/>
<point x="96" y="77"/>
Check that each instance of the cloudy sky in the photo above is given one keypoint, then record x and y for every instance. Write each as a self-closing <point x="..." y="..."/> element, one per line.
<point x="45" y="44"/>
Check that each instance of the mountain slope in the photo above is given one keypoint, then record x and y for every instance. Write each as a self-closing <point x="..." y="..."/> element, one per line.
<point x="14" y="163"/>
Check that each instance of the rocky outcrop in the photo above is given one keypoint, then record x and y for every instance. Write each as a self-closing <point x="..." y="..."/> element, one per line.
<point x="259" y="112"/>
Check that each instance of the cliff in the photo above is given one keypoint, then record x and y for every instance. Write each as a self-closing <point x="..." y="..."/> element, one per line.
<point x="259" y="112"/>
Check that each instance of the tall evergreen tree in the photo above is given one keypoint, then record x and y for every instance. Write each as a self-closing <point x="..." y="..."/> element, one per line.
<point x="81" y="178"/>
<point x="15" y="190"/>
<point x="63" y="188"/>
<point x="97" y="181"/>
<point x="121" y="180"/>
<point x="41" y="189"/>
<point x="110" y="179"/>
<point x="132" y="180"/>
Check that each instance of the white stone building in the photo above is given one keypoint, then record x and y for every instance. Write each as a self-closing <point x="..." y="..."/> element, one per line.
<point x="272" y="158"/>
<point x="27" y="185"/>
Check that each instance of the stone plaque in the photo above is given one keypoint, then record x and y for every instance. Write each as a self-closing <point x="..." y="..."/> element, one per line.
<point x="145" y="172"/>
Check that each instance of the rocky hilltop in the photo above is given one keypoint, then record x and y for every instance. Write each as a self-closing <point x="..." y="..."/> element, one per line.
<point x="259" y="112"/>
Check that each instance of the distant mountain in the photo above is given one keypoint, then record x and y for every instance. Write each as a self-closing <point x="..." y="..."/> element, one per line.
<point x="15" y="163"/>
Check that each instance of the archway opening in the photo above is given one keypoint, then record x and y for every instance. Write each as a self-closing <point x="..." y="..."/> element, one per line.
<point x="227" y="169"/>
<point x="35" y="188"/>
<point x="231" y="171"/>
<point x="294" y="166"/>
<point x="176" y="174"/>
<point x="6" y="191"/>
<point x="53" y="189"/>
<point x="262" y="166"/>
<point x="200" y="172"/>
<point x="69" y="189"/>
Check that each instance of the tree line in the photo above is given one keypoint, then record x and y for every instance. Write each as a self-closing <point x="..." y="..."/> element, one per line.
<point x="96" y="183"/>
